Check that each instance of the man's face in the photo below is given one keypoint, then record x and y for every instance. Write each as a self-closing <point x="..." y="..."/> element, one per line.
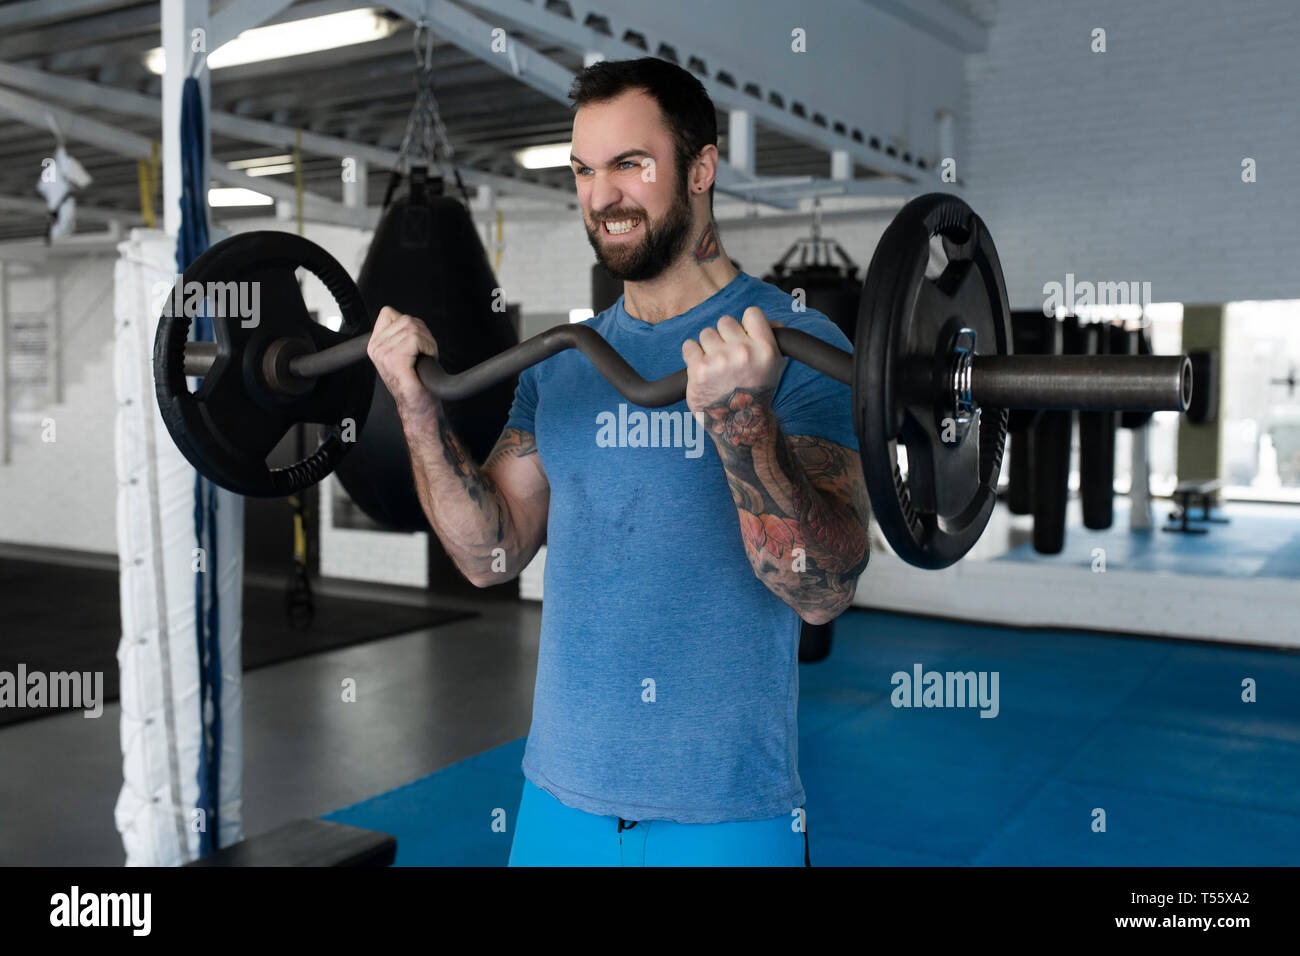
<point x="634" y="204"/>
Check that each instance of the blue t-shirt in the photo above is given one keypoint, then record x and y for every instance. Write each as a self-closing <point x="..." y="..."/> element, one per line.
<point x="667" y="674"/>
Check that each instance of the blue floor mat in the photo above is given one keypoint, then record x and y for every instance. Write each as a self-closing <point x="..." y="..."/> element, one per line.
<point x="1258" y="541"/>
<point x="1153" y="733"/>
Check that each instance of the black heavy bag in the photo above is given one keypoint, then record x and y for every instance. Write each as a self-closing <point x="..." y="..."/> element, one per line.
<point x="814" y="641"/>
<point x="831" y="290"/>
<point x="1049" y="444"/>
<point x="1131" y="342"/>
<point x="1032" y="334"/>
<point x="1204" y="406"/>
<point x="427" y="260"/>
<point x="1019" y="475"/>
<point x="1097" y="448"/>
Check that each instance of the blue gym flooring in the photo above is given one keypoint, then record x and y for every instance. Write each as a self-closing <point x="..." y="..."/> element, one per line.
<point x="1153" y="733"/>
<point x="1261" y="541"/>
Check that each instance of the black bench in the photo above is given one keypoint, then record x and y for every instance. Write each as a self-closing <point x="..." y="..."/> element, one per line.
<point x="1186" y="492"/>
<point x="308" y="843"/>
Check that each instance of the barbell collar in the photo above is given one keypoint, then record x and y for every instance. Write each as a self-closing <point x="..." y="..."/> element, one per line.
<point x="199" y="357"/>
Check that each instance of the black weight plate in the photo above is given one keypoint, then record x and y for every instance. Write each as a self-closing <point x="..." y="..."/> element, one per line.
<point x="935" y="513"/>
<point x="228" y="426"/>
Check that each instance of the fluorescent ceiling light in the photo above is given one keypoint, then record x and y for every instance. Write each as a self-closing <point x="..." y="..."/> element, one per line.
<point x="254" y="161"/>
<point x="544" y="157"/>
<point x="293" y="39"/>
<point x="237" y="196"/>
<point x="271" y="170"/>
<point x="263" y="165"/>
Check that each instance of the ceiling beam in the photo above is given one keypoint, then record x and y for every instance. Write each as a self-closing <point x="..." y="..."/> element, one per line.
<point x="238" y="127"/>
<point x="542" y="22"/>
<point x="963" y="33"/>
<point x="34" y="13"/>
<point x="22" y="204"/>
<point x="74" y="126"/>
<point x="240" y="15"/>
<point x="139" y="24"/>
<point x="84" y="129"/>
<point x="478" y="37"/>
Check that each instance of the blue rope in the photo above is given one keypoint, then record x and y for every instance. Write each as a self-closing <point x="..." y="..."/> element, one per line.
<point x="191" y="242"/>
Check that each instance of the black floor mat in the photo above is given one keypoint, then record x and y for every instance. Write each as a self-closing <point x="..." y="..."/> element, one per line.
<point x="60" y="618"/>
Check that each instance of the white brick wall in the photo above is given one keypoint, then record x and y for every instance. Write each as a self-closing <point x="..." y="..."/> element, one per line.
<point x="389" y="557"/>
<point x="1127" y="164"/>
<point x="546" y="264"/>
<point x="62" y="493"/>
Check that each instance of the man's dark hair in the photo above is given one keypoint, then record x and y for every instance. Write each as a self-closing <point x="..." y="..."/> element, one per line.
<point x="686" y="107"/>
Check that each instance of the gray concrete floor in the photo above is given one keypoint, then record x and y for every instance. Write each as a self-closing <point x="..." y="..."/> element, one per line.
<point x="424" y="700"/>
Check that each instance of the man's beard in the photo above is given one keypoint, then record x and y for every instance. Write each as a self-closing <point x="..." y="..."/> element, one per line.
<point x="657" y="250"/>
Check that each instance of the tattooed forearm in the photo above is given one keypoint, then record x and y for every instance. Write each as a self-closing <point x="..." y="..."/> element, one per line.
<point x="461" y="500"/>
<point x="475" y="482"/>
<point x="801" y="503"/>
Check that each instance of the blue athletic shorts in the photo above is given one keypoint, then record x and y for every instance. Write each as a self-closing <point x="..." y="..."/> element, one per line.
<point x="548" y="833"/>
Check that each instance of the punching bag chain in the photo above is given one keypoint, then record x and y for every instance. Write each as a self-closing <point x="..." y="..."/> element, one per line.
<point x="426" y="139"/>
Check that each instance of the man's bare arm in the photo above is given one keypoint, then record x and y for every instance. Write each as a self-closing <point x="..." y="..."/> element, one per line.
<point x="491" y="519"/>
<point x="802" y="505"/>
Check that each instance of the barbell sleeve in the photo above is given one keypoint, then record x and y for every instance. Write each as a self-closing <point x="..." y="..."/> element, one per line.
<point x="1090" y="383"/>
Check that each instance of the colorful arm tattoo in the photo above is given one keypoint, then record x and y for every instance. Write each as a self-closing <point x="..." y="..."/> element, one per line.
<point x="801" y="501"/>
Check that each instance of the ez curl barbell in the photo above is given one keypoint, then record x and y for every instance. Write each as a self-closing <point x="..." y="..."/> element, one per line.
<point x="932" y="372"/>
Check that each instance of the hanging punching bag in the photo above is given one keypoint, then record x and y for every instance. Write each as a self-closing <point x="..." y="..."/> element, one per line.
<point x="829" y="289"/>
<point x="427" y="260"/>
